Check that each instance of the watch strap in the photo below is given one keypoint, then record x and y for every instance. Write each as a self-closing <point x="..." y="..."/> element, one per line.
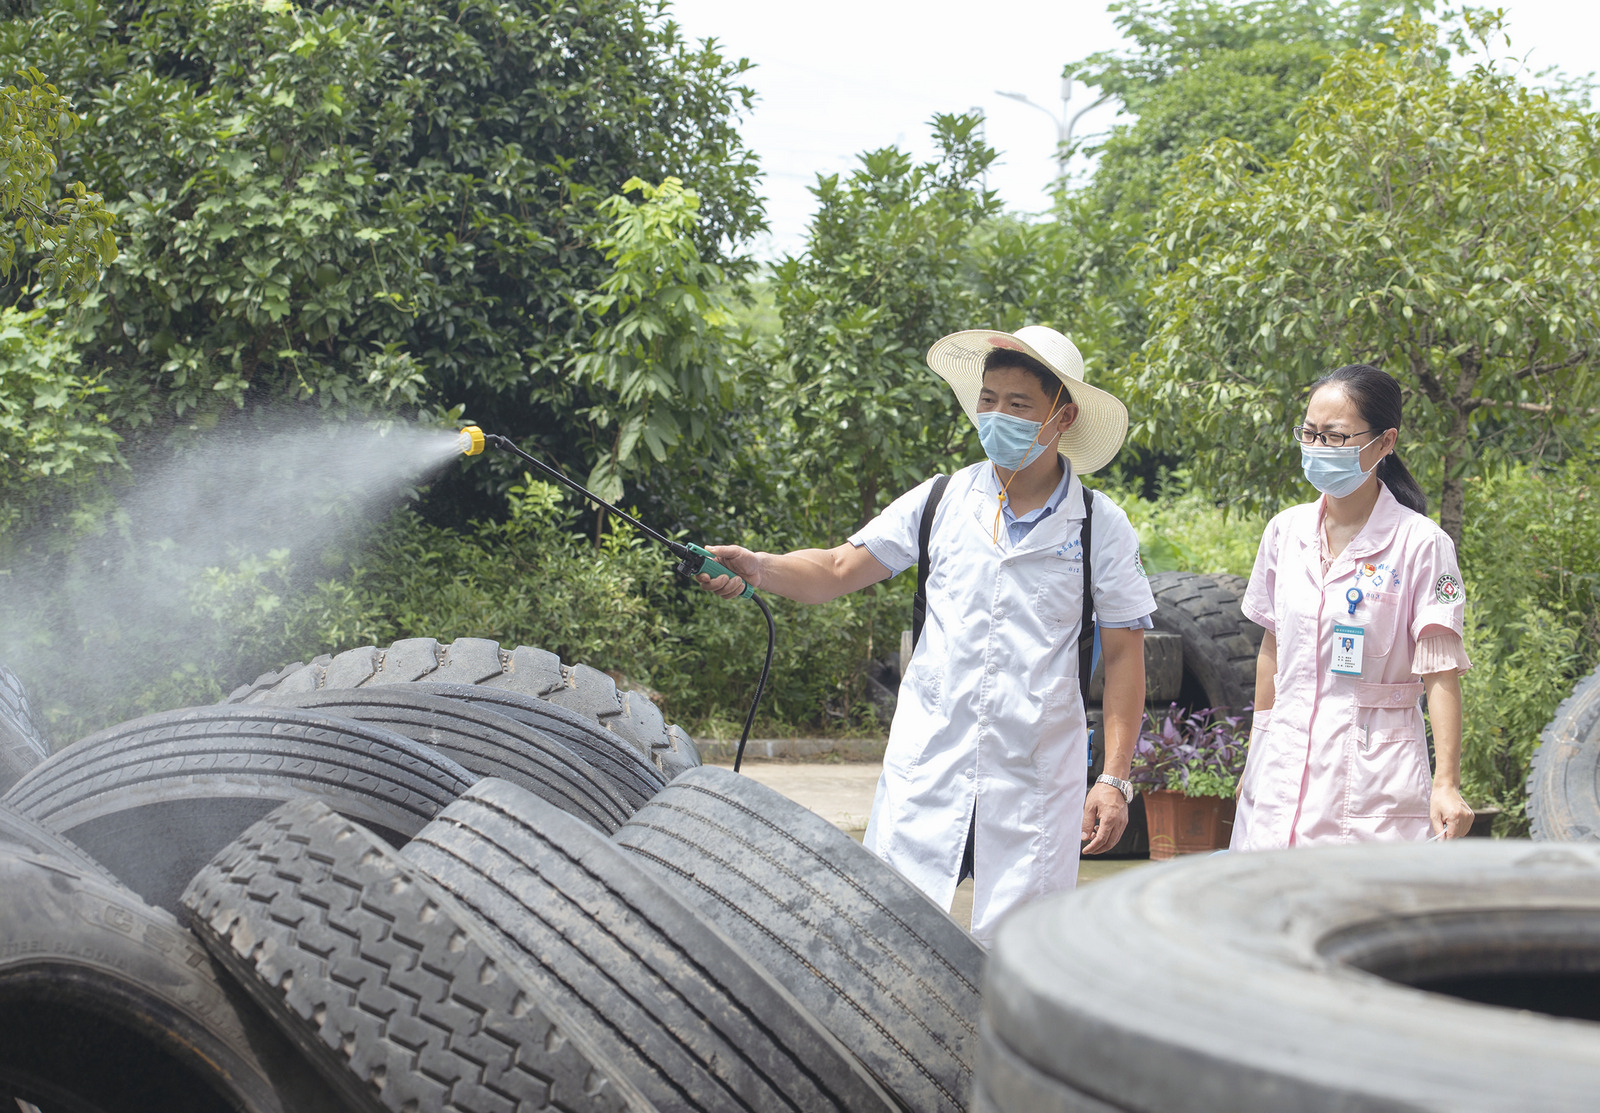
<point x="1122" y="786"/>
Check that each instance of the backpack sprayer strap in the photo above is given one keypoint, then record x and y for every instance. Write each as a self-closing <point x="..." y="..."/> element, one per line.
<point x="919" y="601"/>
<point x="1086" y="634"/>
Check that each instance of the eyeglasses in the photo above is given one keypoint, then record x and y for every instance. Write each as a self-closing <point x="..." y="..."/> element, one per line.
<point x="1327" y="440"/>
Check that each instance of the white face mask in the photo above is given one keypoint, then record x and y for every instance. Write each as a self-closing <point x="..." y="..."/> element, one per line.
<point x="1334" y="471"/>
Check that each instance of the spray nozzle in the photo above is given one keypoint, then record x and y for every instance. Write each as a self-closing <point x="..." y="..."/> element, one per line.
<point x="470" y="442"/>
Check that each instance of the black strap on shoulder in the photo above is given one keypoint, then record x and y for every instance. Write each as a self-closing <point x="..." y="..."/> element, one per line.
<point x="919" y="601"/>
<point x="1086" y="635"/>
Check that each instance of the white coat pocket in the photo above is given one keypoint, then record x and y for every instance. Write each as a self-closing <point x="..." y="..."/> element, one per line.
<point x="1058" y="600"/>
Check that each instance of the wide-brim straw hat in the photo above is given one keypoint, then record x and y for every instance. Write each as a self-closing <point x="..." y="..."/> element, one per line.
<point x="1102" y="424"/>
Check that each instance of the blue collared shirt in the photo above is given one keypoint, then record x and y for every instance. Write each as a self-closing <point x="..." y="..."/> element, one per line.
<point x="1018" y="528"/>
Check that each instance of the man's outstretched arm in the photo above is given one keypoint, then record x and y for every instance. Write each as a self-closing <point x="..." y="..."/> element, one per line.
<point x="805" y="575"/>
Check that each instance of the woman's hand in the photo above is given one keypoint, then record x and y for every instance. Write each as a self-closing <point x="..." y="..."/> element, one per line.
<point x="1449" y="812"/>
<point x="745" y="566"/>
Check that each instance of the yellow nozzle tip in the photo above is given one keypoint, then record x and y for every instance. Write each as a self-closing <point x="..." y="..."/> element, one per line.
<point x="470" y="443"/>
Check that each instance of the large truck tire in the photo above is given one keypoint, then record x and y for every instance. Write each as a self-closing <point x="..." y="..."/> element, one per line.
<point x="1370" y="977"/>
<point x="533" y="672"/>
<point x="1564" y="776"/>
<point x="107" y="1004"/>
<point x="1220" y="644"/>
<point x="22" y="745"/>
<point x="486" y="743"/>
<point x="153" y="799"/>
<point x="631" y="773"/>
<point x="671" y="1000"/>
<point x="1006" y="1083"/>
<point x="19" y="832"/>
<point x="880" y="965"/>
<point x="400" y="997"/>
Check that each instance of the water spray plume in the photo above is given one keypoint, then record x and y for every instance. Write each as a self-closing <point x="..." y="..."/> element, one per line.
<point x="470" y="441"/>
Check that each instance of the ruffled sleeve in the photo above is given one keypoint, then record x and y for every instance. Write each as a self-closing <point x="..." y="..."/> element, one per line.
<point x="1439" y="650"/>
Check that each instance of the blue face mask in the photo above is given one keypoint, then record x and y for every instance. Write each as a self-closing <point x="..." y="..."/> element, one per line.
<point x="1333" y="471"/>
<point x="1011" y="442"/>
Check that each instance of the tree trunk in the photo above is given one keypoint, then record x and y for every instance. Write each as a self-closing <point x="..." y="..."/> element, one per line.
<point x="1454" y="494"/>
<point x="1452" y="505"/>
<point x="867" y="489"/>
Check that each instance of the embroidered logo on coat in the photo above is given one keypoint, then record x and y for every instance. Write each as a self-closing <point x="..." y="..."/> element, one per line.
<point x="1448" y="589"/>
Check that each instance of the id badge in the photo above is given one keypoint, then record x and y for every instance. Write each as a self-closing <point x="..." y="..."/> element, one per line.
<point x="1347" y="649"/>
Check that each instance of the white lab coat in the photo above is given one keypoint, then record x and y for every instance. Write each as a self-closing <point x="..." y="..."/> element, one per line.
<point x="989" y="715"/>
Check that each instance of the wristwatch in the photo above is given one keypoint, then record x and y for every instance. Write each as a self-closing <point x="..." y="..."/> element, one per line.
<point x="1122" y="786"/>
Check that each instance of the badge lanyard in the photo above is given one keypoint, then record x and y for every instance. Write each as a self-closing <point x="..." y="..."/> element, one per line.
<point x="1347" y="651"/>
<point x="1347" y="640"/>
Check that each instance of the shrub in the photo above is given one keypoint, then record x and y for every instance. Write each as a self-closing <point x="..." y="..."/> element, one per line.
<point x="1183" y="529"/>
<point x="1530" y="556"/>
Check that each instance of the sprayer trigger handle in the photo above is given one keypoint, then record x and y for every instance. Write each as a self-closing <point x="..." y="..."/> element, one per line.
<point x="708" y="565"/>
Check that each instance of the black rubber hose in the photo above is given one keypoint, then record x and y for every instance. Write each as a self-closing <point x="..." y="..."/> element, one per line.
<point x="761" y="685"/>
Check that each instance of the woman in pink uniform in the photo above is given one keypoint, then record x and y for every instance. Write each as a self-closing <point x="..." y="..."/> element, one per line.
<point x="1362" y="604"/>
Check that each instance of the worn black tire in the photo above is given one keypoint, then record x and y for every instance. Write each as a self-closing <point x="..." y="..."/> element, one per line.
<point x="109" y="1004"/>
<point x="1007" y="1083"/>
<point x="631" y="773"/>
<point x="32" y="837"/>
<point x="533" y="672"/>
<point x="670" y="999"/>
<point x="885" y="969"/>
<point x="400" y="997"/>
<point x="485" y="742"/>
<point x="153" y="799"/>
<point x="22" y="745"/>
<point x="1300" y="980"/>
<point x="1564" y="776"/>
<point x="1219" y="643"/>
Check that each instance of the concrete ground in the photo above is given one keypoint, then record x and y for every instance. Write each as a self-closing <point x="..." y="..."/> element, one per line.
<point x="841" y="792"/>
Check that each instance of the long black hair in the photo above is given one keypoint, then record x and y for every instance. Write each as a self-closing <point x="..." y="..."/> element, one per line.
<point x="1377" y="398"/>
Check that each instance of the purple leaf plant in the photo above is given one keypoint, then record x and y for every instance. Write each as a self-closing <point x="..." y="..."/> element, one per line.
<point x="1197" y="753"/>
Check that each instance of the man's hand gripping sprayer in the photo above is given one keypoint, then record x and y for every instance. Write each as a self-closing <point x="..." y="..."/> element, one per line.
<point x="692" y="559"/>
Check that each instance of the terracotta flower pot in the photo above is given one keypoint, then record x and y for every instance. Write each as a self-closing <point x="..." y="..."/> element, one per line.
<point x="1182" y="824"/>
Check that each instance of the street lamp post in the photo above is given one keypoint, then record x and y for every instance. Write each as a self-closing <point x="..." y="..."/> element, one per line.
<point x="1064" y="122"/>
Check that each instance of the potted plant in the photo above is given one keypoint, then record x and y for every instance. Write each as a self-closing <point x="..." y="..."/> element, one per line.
<point x="1187" y="768"/>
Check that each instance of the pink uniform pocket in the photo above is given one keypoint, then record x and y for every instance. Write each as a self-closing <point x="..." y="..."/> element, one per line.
<point x="1380" y="616"/>
<point x="1387" y="754"/>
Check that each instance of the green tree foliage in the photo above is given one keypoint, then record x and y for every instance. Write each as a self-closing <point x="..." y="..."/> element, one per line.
<point x="1195" y="71"/>
<point x="1173" y="38"/>
<point x="378" y="203"/>
<point x="659" y="357"/>
<point x="1443" y="227"/>
<point x="52" y="430"/>
<point x="51" y="426"/>
<point x="1531" y="558"/>
<point x="68" y="226"/>
<point x="883" y="276"/>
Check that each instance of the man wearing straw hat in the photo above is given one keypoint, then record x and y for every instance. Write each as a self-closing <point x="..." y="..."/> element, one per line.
<point x="986" y="765"/>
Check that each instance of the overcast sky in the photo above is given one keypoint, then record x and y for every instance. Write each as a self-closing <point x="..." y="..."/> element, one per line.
<point x="837" y="77"/>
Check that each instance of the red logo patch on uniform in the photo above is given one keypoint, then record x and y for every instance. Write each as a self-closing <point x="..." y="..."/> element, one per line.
<point x="1448" y="589"/>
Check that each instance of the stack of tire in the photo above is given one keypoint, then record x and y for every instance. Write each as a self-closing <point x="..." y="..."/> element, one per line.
<point x="453" y="877"/>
